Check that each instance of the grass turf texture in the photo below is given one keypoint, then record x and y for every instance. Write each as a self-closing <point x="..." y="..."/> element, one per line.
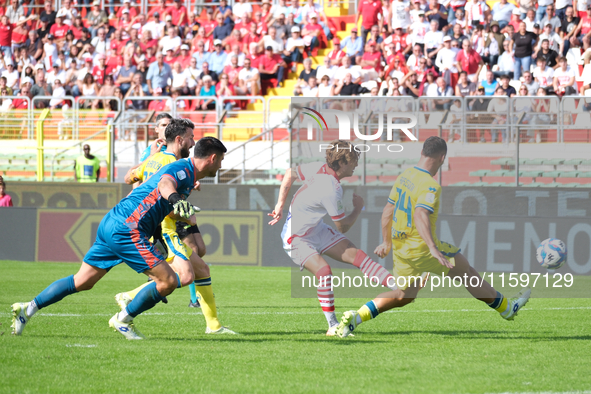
<point x="68" y="347"/>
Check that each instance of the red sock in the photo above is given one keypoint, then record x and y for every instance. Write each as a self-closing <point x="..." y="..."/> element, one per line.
<point x="325" y="292"/>
<point x="375" y="272"/>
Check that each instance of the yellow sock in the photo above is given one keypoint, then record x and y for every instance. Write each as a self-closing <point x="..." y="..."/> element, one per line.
<point x="367" y="312"/>
<point x="203" y="287"/>
<point x="500" y="304"/>
<point x="503" y="307"/>
<point x="134" y="292"/>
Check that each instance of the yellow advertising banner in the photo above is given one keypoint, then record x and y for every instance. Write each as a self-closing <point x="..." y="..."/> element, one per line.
<point x="65" y="195"/>
<point x="231" y="237"/>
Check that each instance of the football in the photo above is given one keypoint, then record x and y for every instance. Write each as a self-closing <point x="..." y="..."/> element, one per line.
<point x="551" y="253"/>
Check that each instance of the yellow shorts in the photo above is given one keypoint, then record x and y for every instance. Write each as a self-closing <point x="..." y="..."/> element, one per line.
<point x="417" y="266"/>
<point x="176" y="247"/>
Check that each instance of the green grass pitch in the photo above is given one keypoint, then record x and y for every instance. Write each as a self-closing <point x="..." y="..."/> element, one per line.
<point x="430" y="346"/>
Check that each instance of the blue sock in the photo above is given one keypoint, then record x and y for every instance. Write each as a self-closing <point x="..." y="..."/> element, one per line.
<point x="56" y="291"/>
<point x="193" y="293"/>
<point x="144" y="300"/>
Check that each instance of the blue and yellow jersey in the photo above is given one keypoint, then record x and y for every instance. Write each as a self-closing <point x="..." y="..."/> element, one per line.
<point x="146" y="152"/>
<point x="154" y="164"/>
<point x="414" y="188"/>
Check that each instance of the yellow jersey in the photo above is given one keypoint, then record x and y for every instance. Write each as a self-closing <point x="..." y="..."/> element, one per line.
<point x="151" y="166"/>
<point x="414" y="188"/>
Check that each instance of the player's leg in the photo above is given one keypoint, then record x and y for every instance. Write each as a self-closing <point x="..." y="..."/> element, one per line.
<point x="191" y="236"/>
<point x="205" y="290"/>
<point x="322" y="271"/>
<point x="84" y="279"/>
<point x="346" y="252"/>
<point x="483" y="291"/>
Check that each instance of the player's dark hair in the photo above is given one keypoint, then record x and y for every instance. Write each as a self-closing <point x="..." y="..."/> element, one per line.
<point x="341" y="150"/>
<point x="163" y="115"/>
<point x="208" y="146"/>
<point x="177" y="127"/>
<point x="434" y="147"/>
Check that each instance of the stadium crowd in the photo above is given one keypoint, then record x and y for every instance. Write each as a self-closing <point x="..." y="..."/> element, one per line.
<point x="409" y="48"/>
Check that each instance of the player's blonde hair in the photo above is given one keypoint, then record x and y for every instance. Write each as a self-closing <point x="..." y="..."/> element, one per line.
<point x="341" y="150"/>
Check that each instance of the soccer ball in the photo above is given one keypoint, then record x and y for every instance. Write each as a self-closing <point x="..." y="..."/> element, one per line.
<point x="551" y="253"/>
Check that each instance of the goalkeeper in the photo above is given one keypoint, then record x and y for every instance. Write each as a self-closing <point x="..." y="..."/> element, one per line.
<point x="183" y="240"/>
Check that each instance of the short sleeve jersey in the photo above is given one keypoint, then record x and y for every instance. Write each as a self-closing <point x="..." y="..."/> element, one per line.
<point x="144" y="208"/>
<point x="156" y="162"/>
<point x="146" y="153"/>
<point x="414" y="188"/>
<point x="321" y="194"/>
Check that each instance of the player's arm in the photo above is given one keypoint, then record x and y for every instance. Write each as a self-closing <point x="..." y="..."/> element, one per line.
<point x="182" y="208"/>
<point x="423" y="226"/>
<point x="288" y="180"/>
<point x="384" y="248"/>
<point x="347" y="222"/>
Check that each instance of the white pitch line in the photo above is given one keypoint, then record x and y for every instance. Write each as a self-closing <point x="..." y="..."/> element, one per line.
<point x="305" y="313"/>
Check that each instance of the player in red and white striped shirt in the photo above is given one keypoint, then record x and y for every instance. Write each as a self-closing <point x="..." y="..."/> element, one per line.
<point x="306" y="237"/>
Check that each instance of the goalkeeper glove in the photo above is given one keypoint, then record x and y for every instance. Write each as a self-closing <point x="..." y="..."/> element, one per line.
<point x="183" y="208"/>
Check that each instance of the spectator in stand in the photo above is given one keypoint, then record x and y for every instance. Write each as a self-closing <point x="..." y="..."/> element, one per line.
<point x="506" y="63"/>
<point x="69" y="12"/>
<point x="136" y="90"/>
<point x="547" y="53"/>
<point x="279" y="24"/>
<point x="49" y="13"/>
<point x="530" y="82"/>
<point x="353" y="46"/>
<point x="336" y="55"/>
<point x="241" y="8"/>
<point x="225" y="10"/>
<point x="465" y="87"/>
<point x="433" y="40"/>
<point x="125" y="75"/>
<point x="446" y="62"/>
<point x="205" y="71"/>
<point x="101" y="43"/>
<point x="294" y="49"/>
<point x="233" y="69"/>
<point x="501" y="13"/>
<point x="479" y="104"/>
<point x="273" y="41"/>
<point x="551" y="18"/>
<point x="223" y="27"/>
<point x="418" y="30"/>
<point x="225" y="89"/>
<point x="245" y="24"/>
<point x="508" y="89"/>
<point x="58" y="95"/>
<point x="210" y="22"/>
<point x="514" y="21"/>
<point x="160" y="8"/>
<point x="398" y="11"/>
<point x="34" y="45"/>
<point x="6" y="32"/>
<point x="326" y="70"/>
<point x="499" y="106"/>
<point x="470" y="61"/>
<point x="248" y="80"/>
<point x="490" y="84"/>
<point x="5" y="199"/>
<point x="207" y="90"/>
<point x="158" y="74"/>
<point x="200" y="54"/>
<point x="179" y="14"/>
<point x="311" y="32"/>
<point x="376" y="38"/>
<point x="477" y="12"/>
<point x="306" y="73"/>
<point x="192" y="76"/>
<point x="583" y="30"/>
<point x="171" y="41"/>
<point x="88" y="87"/>
<point x="443" y="90"/>
<point x="411" y="85"/>
<point x="568" y="27"/>
<point x="100" y="70"/>
<point x="348" y="87"/>
<point x="543" y="74"/>
<point x="217" y="59"/>
<point x="251" y="37"/>
<point x="12" y="76"/>
<point x="41" y="88"/>
<point x="371" y="10"/>
<point x="564" y="79"/>
<point x="180" y="79"/>
<point x="107" y="90"/>
<point x="371" y="63"/>
<point x="235" y="52"/>
<point x="437" y="12"/>
<point x="347" y="68"/>
<point x="522" y="42"/>
<point x="96" y="18"/>
<point x="272" y="67"/>
<point x="14" y="11"/>
<point x="59" y="29"/>
<point x="561" y="6"/>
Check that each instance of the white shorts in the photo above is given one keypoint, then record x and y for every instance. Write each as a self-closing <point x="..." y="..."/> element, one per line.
<point x="317" y="241"/>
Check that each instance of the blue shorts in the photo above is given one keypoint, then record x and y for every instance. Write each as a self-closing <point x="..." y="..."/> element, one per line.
<point x="115" y="244"/>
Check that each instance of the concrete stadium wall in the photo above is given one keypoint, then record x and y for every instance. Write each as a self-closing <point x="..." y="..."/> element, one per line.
<point x="498" y="229"/>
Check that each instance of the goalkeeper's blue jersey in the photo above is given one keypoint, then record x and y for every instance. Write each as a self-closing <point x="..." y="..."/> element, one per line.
<point x="144" y="208"/>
